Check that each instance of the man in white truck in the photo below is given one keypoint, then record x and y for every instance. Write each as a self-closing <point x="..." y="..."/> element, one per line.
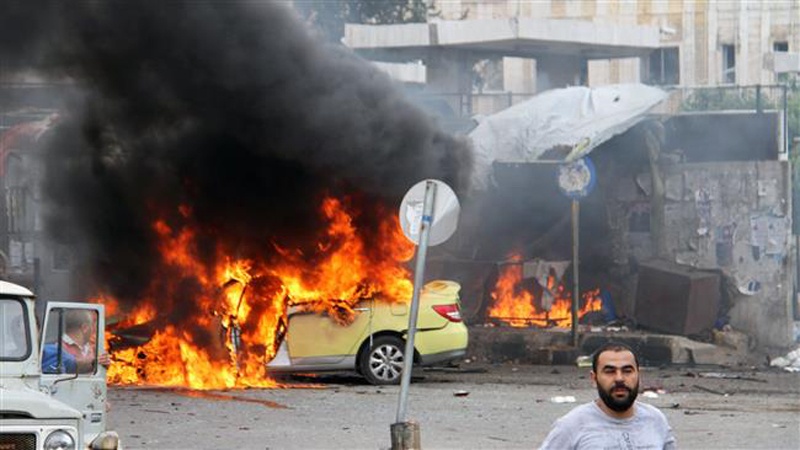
<point x="76" y="353"/>
<point x="41" y="411"/>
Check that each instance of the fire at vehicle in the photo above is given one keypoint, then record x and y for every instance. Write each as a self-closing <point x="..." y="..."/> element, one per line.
<point x="238" y="319"/>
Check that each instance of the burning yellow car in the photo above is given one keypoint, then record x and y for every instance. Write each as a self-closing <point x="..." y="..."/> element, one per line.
<point x="373" y="343"/>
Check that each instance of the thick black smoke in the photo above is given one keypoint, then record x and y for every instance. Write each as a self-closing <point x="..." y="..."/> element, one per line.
<point x="229" y="108"/>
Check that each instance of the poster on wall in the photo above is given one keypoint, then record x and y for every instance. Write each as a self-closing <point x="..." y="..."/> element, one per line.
<point x="768" y="235"/>
<point x="702" y="201"/>
<point x="726" y="235"/>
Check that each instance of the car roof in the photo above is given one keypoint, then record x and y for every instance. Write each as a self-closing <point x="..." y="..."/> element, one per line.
<point x="7" y="288"/>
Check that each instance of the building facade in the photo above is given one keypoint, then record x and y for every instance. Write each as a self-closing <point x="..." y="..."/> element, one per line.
<point x="701" y="43"/>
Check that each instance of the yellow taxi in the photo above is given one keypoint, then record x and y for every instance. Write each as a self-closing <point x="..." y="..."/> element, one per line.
<point x="373" y="344"/>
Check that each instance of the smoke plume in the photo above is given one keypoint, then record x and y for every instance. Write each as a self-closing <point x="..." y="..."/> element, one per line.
<point x="229" y="115"/>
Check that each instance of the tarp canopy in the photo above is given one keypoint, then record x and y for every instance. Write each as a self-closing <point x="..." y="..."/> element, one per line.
<point x="579" y="118"/>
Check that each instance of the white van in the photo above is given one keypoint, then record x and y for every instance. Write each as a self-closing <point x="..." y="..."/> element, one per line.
<point x="47" y="411"/>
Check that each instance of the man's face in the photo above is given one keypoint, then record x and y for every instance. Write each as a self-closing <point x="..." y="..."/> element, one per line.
<point x="85" y="333"/>
<point x="617" y="379"/>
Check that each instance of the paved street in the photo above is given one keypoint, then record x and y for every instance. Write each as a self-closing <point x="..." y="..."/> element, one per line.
<point x="475" y="407"/>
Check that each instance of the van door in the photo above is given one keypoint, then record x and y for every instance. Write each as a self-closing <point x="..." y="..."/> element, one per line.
<point x="72" y="337"/>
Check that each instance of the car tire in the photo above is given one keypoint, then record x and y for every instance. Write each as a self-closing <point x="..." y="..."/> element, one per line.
<point x="382" y="363"/>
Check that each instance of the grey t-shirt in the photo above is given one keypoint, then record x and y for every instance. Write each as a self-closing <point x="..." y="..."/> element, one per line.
<point x="588" y="427"/>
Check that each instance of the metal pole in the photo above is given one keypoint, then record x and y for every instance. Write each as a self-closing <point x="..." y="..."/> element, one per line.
<point x="785" y="130"/>
<point x="758" y="99"/>
<point x="419" y="276"/>
<point x="575" y="284"/>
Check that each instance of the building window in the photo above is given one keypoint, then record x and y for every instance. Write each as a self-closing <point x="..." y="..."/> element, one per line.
<point x="728" y="63"/>
<point x="780" y="46"/>
<point x="663" y="67"/>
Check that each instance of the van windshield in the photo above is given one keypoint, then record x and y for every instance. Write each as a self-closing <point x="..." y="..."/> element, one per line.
<point x="15" y="336"/>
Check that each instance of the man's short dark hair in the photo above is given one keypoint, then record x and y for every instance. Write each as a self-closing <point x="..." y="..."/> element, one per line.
<point x="613" y="346"/>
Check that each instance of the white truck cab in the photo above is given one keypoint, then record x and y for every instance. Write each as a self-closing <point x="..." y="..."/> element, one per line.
<point x="61" y="406"/>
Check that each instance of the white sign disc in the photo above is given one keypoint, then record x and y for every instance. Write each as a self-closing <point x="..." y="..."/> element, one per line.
<point x="444" y="219"/>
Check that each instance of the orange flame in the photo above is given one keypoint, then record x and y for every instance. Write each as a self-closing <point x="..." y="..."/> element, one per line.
<point x="514" y="304"/>
<point x="242" y="303"/>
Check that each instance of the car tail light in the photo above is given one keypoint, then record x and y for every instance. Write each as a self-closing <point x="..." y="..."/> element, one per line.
<point x="449" y="312"/>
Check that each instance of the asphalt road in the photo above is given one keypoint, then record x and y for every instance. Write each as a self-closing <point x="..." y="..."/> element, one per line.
<point x="473" y="407"/>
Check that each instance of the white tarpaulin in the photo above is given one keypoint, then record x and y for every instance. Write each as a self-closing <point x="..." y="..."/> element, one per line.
<point x="558" y="118"/>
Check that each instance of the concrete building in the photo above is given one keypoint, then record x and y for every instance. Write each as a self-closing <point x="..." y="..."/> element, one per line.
<point x="520" y="47"/>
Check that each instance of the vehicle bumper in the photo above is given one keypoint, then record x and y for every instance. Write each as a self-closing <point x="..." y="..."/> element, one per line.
<point x="441" y="358"/>
<point x="30" y="433"/>
<point x="442" y="345"/>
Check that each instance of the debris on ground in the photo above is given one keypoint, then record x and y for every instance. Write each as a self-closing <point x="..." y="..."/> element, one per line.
<point x="790" y="362"/>
<point x="584" y="361"/>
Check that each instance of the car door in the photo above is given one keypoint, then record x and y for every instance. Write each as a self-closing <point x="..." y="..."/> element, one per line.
<point x="318" y="340"/>
<point x="85" y="392"/>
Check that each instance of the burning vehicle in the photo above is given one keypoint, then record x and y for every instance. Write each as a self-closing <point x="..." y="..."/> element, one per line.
<point x="342" y="306"/>
<point x="373" y="343"/>
<point x="48" y="411"/>
<point x="273" y="163"/>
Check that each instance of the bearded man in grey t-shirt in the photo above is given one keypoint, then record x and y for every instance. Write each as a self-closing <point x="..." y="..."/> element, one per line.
<point x="615" y="420"/>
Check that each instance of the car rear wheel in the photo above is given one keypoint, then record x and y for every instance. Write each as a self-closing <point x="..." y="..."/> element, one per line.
<point x="383" y="362"/>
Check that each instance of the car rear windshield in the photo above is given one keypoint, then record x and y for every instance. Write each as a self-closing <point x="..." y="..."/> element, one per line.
<point x="15" y="336"/>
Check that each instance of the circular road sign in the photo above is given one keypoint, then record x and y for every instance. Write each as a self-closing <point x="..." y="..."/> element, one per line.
<point x="444" y="218"/>
<point x="578" y="178"/>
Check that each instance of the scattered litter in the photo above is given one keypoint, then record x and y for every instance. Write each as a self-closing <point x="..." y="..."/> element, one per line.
<point x="649" y="394"/>
<point x="584" y="361"/>
<point x="790" y="362"/>
<point x="712" y="391"/>
<point x="460" y="393"/>
<point x="730" y="376"/>
<point x="655" y="390"/>
<point x="562" y="399"/>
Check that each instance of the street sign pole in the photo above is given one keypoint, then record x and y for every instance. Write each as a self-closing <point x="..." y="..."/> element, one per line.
<point x="419" y="277"/>
<point x="576" y="180"/>
<point x="428" y="217"/>
<point x="575" y="284"/>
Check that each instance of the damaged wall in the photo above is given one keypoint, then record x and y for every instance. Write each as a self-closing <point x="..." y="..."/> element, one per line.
<point x="728" y="216"/>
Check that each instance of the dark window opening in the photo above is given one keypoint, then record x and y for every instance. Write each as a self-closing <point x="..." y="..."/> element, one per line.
<point x="780" y="46"/>
<point x="729" y="63"/>
<point x="664" y="67"/>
